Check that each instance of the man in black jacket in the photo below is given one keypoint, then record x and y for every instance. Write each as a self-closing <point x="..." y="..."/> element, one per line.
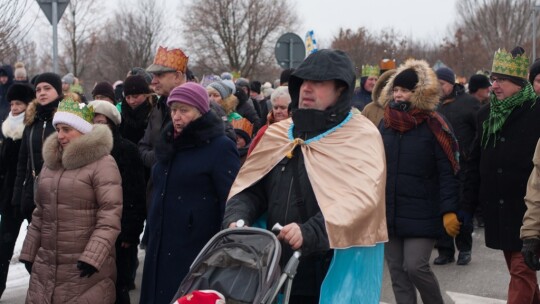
<point x="299" y="192"/>
<point x="460" y="109"/>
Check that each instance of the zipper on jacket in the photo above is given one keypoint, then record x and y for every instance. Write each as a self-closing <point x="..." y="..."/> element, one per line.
<point x="288" y="199"/>
<point x="43" y="132"/>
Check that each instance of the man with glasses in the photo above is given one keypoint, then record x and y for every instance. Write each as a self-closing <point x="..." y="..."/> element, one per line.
<point x="169" y="71"/>
<point x="508" y="129"/>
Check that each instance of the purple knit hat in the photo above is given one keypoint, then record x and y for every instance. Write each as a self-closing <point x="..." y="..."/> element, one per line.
<point x="192" y="94"/>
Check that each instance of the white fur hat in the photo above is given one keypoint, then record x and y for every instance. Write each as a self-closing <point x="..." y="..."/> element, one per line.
<point x="108" y="109"/>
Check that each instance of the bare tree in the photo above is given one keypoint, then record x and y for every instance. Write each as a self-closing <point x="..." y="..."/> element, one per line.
<point x="496" y="23"/>
<point x="365" y="47"/>
<point x="80" y="21"/>
<point x="235" y="35"/>
<point x="131" y="39"/>
<point x="11" y="33"/>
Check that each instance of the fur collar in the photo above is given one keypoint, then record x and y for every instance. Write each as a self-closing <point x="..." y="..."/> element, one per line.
<point x="426" y="94"/>
<point x="13" y="126"/>
<point x="30" y="115"/>
<point x="80" y="152"/>
<point x="379" y="94"/>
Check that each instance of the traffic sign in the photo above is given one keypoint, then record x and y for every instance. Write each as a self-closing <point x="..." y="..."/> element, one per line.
<point x="290" y="50"/>
<point x="47" y="8"/>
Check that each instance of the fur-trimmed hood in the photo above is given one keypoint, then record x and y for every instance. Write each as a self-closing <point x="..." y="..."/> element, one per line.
<point x="30" y="113"/>
<point x="426" y="93"/>
<point x="378" y="95"/>
<point x="80" y="152"/>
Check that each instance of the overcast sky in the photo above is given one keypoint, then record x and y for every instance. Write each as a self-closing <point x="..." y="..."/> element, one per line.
<point x="426" y="20"/>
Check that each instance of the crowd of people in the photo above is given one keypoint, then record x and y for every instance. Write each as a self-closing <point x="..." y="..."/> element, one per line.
<point x="385" y="168"/>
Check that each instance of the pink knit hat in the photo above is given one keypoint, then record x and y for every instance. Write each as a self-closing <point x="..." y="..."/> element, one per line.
<point x="192" y="94"/>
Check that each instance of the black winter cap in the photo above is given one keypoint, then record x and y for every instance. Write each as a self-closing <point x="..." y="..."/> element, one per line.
<point x="20" y="91"/>
<point x="534" y="70"/>
<point x="478" y="81"/>
<point x="406" y="79"/>
<point x="104" y="88"/>
<point x="51" y="78"/>
<point x="136" y="84"/>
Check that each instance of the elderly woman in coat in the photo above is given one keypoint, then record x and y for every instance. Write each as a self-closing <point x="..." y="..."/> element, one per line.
<point x="69" y="248"/>
<point x="196" y="166"/>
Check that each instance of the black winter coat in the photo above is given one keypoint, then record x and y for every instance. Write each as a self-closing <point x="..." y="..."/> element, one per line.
<point x="461" y="113"/>
<point x="159" y="117"/>
<point x="245" y="109"/>
<point x="277" y="195"/>
<point x="132" y="171"/>
<point x="192" y="177"/>
<point x="134" y="121"/>
<point x="38" y="119"/>
<point x="9" y="155"/>
<point x="496" y="177"/>
<point x="420" y="186"/>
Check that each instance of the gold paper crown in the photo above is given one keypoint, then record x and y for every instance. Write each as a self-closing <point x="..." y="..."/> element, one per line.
<point x="504" y="63"/>
<point x="387" y="64"/>
<point x="174" y="59"/>
<point x="370" y="70"/>
<point x="80" y="109"/>
<point x="243" y="124"/>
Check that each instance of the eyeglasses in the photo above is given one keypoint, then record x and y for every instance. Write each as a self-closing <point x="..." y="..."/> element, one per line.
<point x="498" y="79"/>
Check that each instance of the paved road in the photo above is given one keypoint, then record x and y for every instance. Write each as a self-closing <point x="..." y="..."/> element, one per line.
<point x="485" y="280"/>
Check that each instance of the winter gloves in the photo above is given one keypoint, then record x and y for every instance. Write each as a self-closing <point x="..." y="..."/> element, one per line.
<point x="86" y="269"/>
<point x="530" y="248"/>
<point x="451" y="224"/>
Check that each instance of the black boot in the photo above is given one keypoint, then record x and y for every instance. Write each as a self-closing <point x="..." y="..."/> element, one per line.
<point x="464" y="258"/>
<point x="443" y="260"/>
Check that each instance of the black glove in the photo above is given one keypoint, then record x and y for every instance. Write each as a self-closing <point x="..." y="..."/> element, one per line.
<point x="86" y="269"/>
<point x="530" y="248"/>
<point x="27" y="265"/>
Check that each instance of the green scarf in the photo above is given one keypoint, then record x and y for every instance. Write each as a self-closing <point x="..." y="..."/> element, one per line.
<point x="501" y="109"/>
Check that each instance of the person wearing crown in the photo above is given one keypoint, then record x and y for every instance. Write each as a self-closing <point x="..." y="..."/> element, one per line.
<point x="499" y="166"/>
<point x="362" y="96"/>
<point x="69" y="248"/>
<point x="169" y="71"/>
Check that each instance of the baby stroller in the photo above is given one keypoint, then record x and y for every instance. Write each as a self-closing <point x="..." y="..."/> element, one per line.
<point x="243" y="265"/>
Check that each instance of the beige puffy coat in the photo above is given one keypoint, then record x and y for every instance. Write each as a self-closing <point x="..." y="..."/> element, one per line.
<point x="531" y="220"/>
<point x="77" y="218"/>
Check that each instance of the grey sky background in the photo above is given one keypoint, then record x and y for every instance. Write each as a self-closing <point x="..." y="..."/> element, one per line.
<point x="424" y="20"/>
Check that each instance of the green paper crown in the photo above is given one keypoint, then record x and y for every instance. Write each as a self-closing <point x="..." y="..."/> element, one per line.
<point x="370" y="70"/>
<point x="80" y="109"/>
<point x="504" y="63"/>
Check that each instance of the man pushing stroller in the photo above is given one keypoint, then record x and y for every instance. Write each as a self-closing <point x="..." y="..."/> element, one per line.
<point x="322" y="175"/>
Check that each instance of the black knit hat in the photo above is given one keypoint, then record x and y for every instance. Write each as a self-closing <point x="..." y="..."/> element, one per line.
<point x="255" y="86"/>
<point x="478" y="81"/>
<point x="285" y="75"/>
<point x="136" y="84"/>
<point x="104" y="88"/>
<point x="406" y="79"/>
<point x="51" y="78"/>
<point x="20" y="91"/>
<point x="446" y="74"/>
<point x="534" y="70"/>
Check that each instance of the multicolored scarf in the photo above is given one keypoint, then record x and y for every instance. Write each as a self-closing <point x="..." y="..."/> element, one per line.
<point x="500" y="110"/>
<point x="402" y="120"/>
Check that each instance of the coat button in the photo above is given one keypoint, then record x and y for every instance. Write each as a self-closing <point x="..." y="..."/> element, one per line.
<point x="499" y="170"/>
<point x="501" y="201"/>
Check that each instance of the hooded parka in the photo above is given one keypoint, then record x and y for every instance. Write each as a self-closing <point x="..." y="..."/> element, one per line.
<point x="421" y="185"/>
<point x="77" y="218"/>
